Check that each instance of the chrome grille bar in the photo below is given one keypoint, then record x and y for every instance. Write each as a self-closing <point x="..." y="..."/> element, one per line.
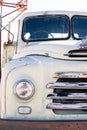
<point x="70" y="75"/>
<point x="71" y="96"/>
<point x="82" y="106"/>
<point x="67" y="85"/>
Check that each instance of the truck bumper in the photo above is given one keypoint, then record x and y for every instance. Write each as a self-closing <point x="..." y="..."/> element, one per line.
<point x="42" y="125"/>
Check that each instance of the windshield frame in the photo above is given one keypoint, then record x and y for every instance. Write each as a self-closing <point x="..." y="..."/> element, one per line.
<point x="47" y="39"/>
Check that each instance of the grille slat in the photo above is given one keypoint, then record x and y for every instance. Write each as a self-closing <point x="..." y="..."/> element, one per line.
<point x="78" y="106"/>
<point x="70" y="75"/>
<point x="67" y="85"/>
<point x="84" y="97"/>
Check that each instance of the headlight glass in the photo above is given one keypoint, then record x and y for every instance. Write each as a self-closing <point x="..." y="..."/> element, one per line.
<point x="24" y="89"/>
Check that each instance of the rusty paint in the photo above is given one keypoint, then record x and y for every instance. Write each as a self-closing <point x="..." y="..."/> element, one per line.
<point x="42" y="125"/>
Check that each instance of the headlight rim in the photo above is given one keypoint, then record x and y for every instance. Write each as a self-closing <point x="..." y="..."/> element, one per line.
<point x="30" y="83"/>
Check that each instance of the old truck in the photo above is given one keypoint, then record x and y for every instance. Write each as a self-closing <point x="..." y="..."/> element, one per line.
<point x="44" y="86"/>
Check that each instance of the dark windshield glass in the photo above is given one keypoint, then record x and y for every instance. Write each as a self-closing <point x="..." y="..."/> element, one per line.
<point x="79" y="26"/>
<point x="45" y="27"/>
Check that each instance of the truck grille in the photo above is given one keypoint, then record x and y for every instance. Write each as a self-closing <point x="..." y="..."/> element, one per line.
<point x="69" y="94"/>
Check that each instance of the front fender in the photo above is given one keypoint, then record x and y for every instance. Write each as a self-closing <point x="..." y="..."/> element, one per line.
<point x="11" y="74"/>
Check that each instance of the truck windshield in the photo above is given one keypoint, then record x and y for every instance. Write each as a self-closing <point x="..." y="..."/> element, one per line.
<point x="45" y="27"/>
<point x="52" y="27"/>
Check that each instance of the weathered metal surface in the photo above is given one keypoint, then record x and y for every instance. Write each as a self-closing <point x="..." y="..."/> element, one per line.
<point x="8" y="53"/>
<point x="42" y="125"/>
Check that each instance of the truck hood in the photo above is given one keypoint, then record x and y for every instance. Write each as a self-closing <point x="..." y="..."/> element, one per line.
<point x="56" y="49"/>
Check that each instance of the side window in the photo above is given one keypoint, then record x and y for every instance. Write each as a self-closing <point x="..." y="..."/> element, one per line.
<point x="79" y="26"/>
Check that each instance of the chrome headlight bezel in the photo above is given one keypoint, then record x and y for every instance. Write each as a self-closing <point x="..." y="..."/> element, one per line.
<point x="24" y="89"/>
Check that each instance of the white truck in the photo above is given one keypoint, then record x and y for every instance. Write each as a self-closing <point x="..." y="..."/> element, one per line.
<point x="44" y="86"/>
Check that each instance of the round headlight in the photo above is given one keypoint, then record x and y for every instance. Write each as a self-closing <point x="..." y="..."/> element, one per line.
<point x="24" y="89"/>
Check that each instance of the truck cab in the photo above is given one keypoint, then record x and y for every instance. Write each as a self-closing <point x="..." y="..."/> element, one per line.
<point x="46" y="80"/>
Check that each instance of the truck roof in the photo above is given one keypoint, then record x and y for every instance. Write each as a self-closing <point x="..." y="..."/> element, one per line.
<point x="69" y="13"/>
